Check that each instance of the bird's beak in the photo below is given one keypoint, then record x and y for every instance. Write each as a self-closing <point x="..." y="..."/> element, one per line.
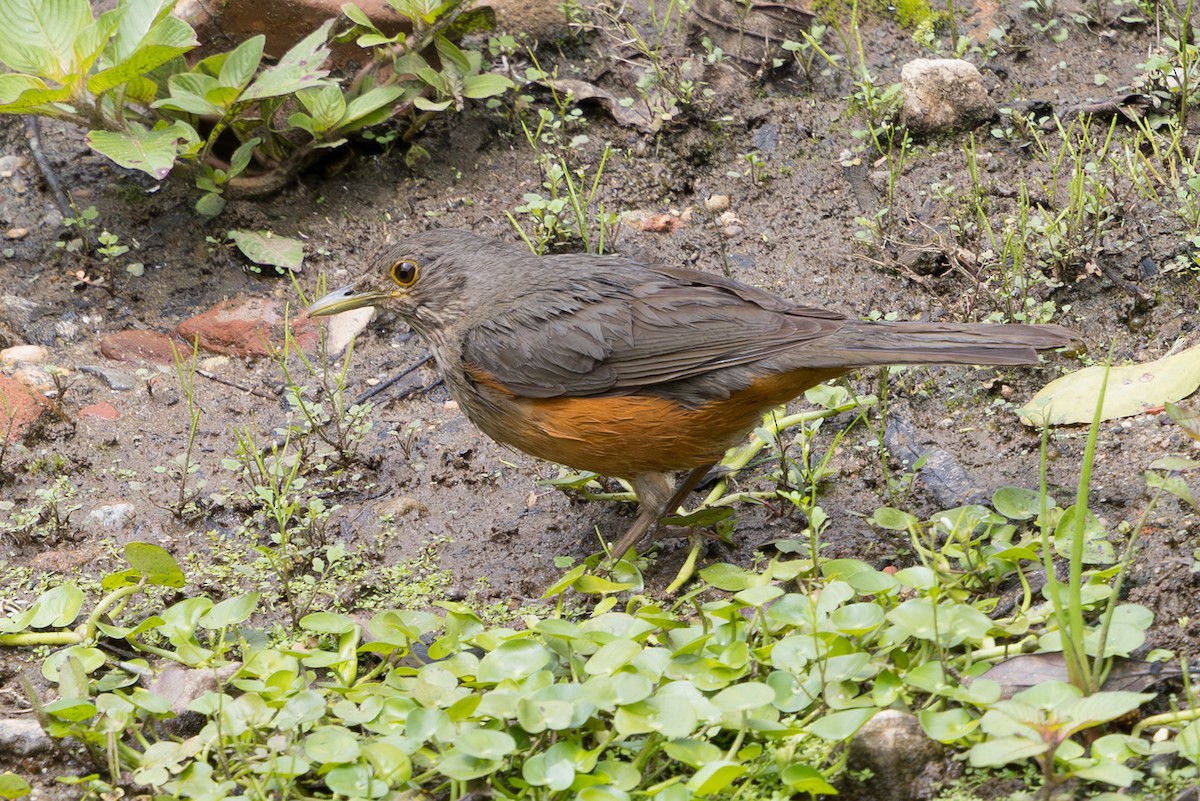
<point x="345" y="299"/>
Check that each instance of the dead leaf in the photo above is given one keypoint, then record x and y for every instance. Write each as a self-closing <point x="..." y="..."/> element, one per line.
<point x="635" y="115"/>
<point x="1024" y="671"/>
<point x="1131" y="389"/>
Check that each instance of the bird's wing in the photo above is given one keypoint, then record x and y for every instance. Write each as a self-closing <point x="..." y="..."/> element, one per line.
<point x="616" y="333"/>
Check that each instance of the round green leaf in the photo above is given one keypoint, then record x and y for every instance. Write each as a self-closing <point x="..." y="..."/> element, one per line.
<point x="332" y="744"/>
<point x="463" y="767"/>
<point x="269" y="249"/>
<point x="696" y="753"/>
<point x="893" y="519"/>
<point x="602" y="792"/>
<point x="56" y="607"/>
<point x="804" y="779"/>
<point x="230" y="612"/>
<point x="857" y="619"/>
<point x="612" y="656"/>
<point x="949" y="725"/>
<point x="1018" y="503"/>
<point x="485" y="743"/>
<point x="327" y="623"/>
<point x="842" y="725"/>
<point x="715" y="777"/>
<point x="13" y="786"/>
<point x="759" y="596"/>
<point x="744" y="697"/>
<point x="155" y="563"/>
<point x="513" y="659"/>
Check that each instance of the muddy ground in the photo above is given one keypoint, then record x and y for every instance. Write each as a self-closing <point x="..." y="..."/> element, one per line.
<point x="477" y="511"/>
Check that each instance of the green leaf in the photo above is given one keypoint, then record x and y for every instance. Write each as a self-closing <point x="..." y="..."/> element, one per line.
<point x="24" y="94"/>
<point x="893" y="519"/>
<point x="451" y="55"/>
<point x="155" y="563"/>
<point x="269" y="249"/>
<point x="1097" y="708"/>
<point x="326" y="104"/>
<point x="1131" y="389"/>
<point x="90" y="41"/>
<point x="759" y="596"/>
<point x="463" y="767"/>
<point x="1186" y="417"/>
<point x="369" y="108"/>
<point x="170" y="38"/>
<point x="730" y="578"/>
<point x="744" y="697"/>
<point x="56" y="607"/>
<point x="357" y="16"/>
<point x="241" y="64"/>
<point x="39" y="35"/>
<point x="210" y="204"/>
<point x="612" y="656"/>
<point x="327" y="623"/>
<point x="598" y="585"/>
<point x="486" y="85"/>
<point x="189" y="92"/>
<point x="949" y="725"/>
<point x="485" y="743"/>
<point x="857" y="619"/>
<point x="696" y="753"/>
<point x="136" y="27"/>
<point x="389" y="761"/>
<point x="332" y="744"/>
<point x="230" y="612"/>
<point x="715" y="777"/>
<point x="1188" y="741"/>
<point x="152" y="152"/>
<point x="424" y="104"/>
<point x="805" y="779"/>
<point x="300" y="68"/>
<point x="1002" y="750"/>
<point x="1018" y="503"/>
<point x="13" y="786"/>
<point x="513" y="659"/>
<point x="838" y="726"/>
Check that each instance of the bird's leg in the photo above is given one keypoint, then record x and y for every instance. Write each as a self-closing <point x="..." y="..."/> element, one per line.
<point x="655" y="500"/>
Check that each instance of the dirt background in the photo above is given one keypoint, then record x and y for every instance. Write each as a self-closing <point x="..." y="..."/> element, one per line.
<point x="476" y="510"/>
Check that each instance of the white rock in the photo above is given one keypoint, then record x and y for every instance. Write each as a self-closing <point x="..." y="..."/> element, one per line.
<point x="941" y="94"/>
<point x="24" y="354"/>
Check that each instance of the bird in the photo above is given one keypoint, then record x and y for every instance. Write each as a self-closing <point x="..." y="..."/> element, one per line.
<point x="633" y="369"/>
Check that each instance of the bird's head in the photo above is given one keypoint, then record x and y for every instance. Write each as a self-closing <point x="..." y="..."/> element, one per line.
<point x="431" y="279"/>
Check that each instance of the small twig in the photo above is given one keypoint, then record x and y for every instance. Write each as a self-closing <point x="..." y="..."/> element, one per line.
<point x="380" y="387"/>
<point x="212" y="377"/>
<point x="33" y="133"/>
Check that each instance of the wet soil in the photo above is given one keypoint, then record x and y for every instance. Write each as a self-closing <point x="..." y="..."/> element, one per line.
<point x="477" y="510"/>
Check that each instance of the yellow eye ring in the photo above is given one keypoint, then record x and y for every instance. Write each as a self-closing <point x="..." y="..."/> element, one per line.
<point x="405" y="272"/>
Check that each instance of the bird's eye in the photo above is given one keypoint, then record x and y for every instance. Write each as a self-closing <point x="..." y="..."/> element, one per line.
<point x="405" y="272"/>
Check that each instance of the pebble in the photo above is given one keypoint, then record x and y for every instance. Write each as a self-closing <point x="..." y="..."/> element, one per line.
<point x="37" y="378"/>
<point x="24" y="737"/>
<point x="213" y="364"/>
<point x="717" y="203"/>
<point x="9" y="165"/>
<point x="24" y="354"/>
<point x="114" y="378"/>
<point x="113" y="515"/>
<point x="16" y="233"/>
<point x="139" y="345"/>
<point x="101" y="411"/>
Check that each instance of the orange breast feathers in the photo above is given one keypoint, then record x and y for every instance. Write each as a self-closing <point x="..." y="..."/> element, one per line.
<point x="627" y="435"/>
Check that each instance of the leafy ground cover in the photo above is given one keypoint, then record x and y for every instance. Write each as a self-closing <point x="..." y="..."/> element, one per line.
<point x="386" y="603"/>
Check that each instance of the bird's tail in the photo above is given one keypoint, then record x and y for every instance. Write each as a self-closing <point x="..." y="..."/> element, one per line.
<point x="863" y="344"/>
